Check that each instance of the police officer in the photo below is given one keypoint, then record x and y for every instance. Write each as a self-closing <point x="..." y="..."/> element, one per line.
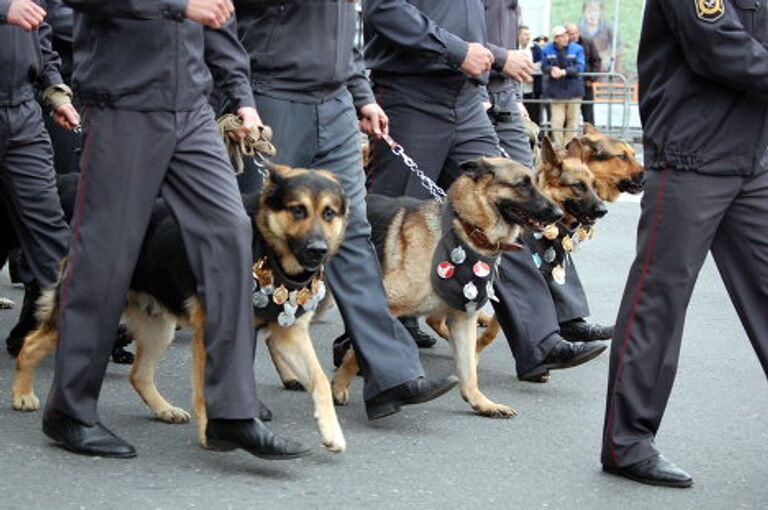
<point x="706" y="190"/>
<point x="27" y="177"/>
<point x="311" y="91"/>
<point x="508" y="114"/>
<point x="142" y="70"/>
<point x="433" y="94"/>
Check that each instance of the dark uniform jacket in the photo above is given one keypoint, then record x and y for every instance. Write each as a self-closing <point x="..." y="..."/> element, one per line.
<point x="704" y="85"/>
<point x="144" y="55"/>
<point x="502" y="20"/>
<point x="303" y="51"/>
<point x="419" y="45"/>
<point x="26" y="61"/>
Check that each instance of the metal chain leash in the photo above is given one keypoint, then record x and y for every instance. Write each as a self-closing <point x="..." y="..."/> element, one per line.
<point x="260" y="160"/>
<point x="436" y="191"/>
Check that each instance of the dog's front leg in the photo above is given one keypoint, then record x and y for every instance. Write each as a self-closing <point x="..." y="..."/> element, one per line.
<point x="39" y="344"/>
<point x="294" y="347"/>
<point x="287" y="377"/>
<point x="463" y="328"/>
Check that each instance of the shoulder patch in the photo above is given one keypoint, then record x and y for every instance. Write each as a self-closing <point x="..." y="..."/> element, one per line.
<point x="710" y="10"/>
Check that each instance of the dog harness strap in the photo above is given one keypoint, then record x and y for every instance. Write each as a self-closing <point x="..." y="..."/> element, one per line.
<point x="461" y="276"/>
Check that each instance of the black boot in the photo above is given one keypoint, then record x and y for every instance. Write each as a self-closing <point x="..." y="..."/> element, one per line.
<point x="579" y="330"/>
<point x="422" y="339"/>
<point x="27" y="321"/>
<point x="253" y="437"/>
<point x="119" y="354"/>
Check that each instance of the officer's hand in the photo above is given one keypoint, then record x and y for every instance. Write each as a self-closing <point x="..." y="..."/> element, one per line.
<point x="478" y="60"/>
<point x="211" y="13"/>
<point x="487" y="105"/>
<point x="519" y="65"/>
<point x="373" y="121"/>
<point x="66" y="117"/>
<point x="25" y="14"/>
<point x="250" y="118"/>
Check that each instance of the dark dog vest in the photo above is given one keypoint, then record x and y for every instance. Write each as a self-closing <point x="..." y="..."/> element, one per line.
<point x="550" y="255"/>
<point x="278" y="297"/>
<point x="461" y="276"/>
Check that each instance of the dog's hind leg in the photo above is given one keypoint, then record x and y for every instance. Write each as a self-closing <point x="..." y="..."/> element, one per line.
<point x="347" y="371"/>
<point x="287" y="376"/>
<point x="38" y="344"/>
<point x="153" y="334"/>
<point x="294" y="346"/>
<point x="488" y="336"/>
<point x="198" y="371"/>
<point x="437" y="323"/>
<point x="463" y="340"/>
<point x="483" y="319"/>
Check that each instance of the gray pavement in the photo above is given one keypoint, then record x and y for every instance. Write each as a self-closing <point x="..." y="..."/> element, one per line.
<point x="437" y="455"/>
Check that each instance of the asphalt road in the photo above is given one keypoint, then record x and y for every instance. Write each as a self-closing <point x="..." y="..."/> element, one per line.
<point x="437" y="455"/>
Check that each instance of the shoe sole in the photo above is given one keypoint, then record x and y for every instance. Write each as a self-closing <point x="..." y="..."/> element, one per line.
<point x="62" y="444"/>
<point x="220" y="445"/>
<point x="658" y="483"/>
<point x="578" y="360"/>
<point x="383" y="410"/>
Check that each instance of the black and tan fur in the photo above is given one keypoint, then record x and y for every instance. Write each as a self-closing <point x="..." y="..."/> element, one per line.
<point x="496" y="196"/>
<point x="301" y="216"/>
<point x="613" y="162"/>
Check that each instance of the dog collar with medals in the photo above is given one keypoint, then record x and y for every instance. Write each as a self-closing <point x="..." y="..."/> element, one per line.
<point x="276" y="297"/>
<point x="461" y="276"/>
<point x="552" y="247"/>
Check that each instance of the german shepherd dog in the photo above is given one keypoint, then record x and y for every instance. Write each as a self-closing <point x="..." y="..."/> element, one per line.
<point x="487" y="208"/>
<point x="299" y="220"/>
<point x="613" y="162"/>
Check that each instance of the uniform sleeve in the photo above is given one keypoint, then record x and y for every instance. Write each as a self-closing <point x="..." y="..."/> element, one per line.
<point x="134" y="9"/>
<point x="230" y="65"/>
<point x="721" y="50"/>
<point x="358" y="84"/>
<point x="61" y="20"/>
<point x="405" y="26"/>
<point x="50" y="70"/>
<point x="4" y="6"/>
<point x="499" y="56"/>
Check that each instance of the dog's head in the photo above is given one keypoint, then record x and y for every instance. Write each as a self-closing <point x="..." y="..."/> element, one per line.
<point x="566" y="180"/>
<point x="302" y="216"/>
<point x="499" y="196"/>
<point x="613" y="163"/>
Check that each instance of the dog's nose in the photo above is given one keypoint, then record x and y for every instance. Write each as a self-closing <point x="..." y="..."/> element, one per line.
<point x="317" y="248"/>
<point x="556" y="214"/>
<point x="600" y="210"/>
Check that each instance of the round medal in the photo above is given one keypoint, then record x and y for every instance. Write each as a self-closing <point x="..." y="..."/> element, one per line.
<point x="280" y="295"/>
<point x="558" y="275"/>
<point x="285" y="319"/>
<point x="481" y="269"/>
<point x="568" y="244"/>
<point x="470" y="291"/>
<point x="445" y="270"/>
<point x="458" y="255"/>
<point x="260" y="300"/>
<point x="581" y="233"/>
<point x="537" y="260"/>
<point x="549" y="255"/>
<point x="551" y="232"/>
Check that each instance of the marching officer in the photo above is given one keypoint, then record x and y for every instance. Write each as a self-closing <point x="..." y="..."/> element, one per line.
<point x="706" y="190"/>
<point x="143" y="70"/>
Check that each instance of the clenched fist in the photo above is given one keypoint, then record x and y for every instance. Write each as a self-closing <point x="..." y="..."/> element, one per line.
<point x="519" y="65"/>
<point x="478" y="60"/>
<point x="211" y="13"/>
<point x="25" y="14"/>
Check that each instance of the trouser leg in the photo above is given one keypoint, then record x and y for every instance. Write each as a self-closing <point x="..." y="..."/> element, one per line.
<point x="573" y="111"/>
<point x="570" y="299"/>
<point x="326" y="136"/>
<point x="674" y="235"/>
<point x="124" y="160"/>
<point x="201" y="190"/>
<point x="510" y="129"/>
<point x="28" y="186"/>
<point x="741" y="253"/>
<point x="588" y="109"/>
<point x="557" y="122"/>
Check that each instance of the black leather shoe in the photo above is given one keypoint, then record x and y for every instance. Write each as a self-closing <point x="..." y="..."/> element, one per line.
<point x="253" y="437"/>
<point x="94" y="440"/>
<point x="120" y="355"/>
<point x="416" y="391"/>
<point x="579" y="330"/>
<point x="564" y="354"/>
<point x="656" y="470"/>
<point x="423" y="340"/>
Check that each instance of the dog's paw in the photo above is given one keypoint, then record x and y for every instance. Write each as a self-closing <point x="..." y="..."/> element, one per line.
<point x="333" y="438"/>
<point x="6" y="304"/>
<point x="26" y="402"/>
<point x="293" y="385"/>
<point x="172" y="414"/>
<point x="496" y="411"/>
<point x="340" y="397"/>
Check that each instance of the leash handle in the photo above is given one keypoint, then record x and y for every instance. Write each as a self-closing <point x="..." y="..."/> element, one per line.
<point x="435" y="191"/>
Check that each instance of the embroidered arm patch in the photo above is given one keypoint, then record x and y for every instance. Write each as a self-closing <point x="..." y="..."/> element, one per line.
<point x="710" y="10"/>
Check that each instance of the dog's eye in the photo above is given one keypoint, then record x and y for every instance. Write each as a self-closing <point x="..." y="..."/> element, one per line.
<point x="328" y="214"/>
<point x="624" y="158"/>
<point x="524" y="182"/>
<point x="579" y="186"/>
<point x="299" y="211"/>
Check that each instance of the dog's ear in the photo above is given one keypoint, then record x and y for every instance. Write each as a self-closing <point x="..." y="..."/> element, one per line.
<point x="575" y="149"/>
<point x="589" y="129"/>
<point x="549" y="155"/>
<point x="275" y="172"/>
<point x="477" y="168"/>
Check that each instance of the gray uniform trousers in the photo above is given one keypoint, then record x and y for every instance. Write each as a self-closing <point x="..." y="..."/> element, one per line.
<point x="326" y="136"/>
<point x="128" y="159"/>
<point x="439" y="138"/>
<point x="684" y="215"/>
<point x="570" y="298"/>
<point x="28" y="189"/>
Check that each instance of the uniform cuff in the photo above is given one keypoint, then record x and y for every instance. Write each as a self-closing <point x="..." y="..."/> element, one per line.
<point x="499" y="57"/>
<point x="455" y="51"/>
<point x="174" y="9"/>
<point x="4" y="6"/>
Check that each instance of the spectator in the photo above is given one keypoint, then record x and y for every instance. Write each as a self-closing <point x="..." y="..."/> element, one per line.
<point x="562" y="65"/>
<point x="592" y="63"/>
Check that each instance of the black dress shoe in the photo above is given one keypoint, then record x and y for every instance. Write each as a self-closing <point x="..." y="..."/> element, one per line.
<point x="579" y="330"/>
<point x="94" y="440"/>
<point x="564" y="354"/>
<point x="253" y="437"/>
<point x="411" y="392"/>
<point x="423" y="340"/>
<point x="656" y="470"/>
